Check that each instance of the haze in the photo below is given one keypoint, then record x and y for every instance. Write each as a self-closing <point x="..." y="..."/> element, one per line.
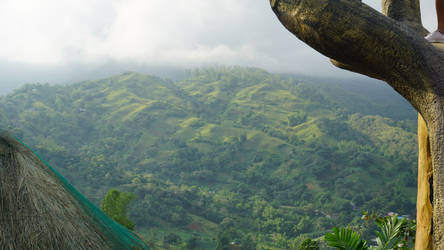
<point x="61" y="41"/>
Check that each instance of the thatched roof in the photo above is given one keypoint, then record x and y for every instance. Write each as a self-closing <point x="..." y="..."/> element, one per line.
<point x="39" y="209"/>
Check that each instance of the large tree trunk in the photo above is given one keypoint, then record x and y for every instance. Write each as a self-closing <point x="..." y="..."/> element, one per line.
<point x="436" y="134"/>
<point x="391" y="48"/>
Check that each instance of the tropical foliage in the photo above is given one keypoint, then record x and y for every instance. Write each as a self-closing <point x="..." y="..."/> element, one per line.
<point x="309" y="244"/>
<point x="265" y="159"/>
<point x="345" y="239"/>
<point x="115" y="205"/>
<point x="394" y="233"/>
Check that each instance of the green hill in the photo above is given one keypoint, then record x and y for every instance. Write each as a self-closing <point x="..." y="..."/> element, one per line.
<point x="227" y="152"/>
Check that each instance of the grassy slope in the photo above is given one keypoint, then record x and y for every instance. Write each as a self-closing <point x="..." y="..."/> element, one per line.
<point x="224" y="131"/>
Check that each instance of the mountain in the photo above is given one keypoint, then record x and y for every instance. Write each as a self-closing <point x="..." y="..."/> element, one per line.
<point x="228" y="154"/>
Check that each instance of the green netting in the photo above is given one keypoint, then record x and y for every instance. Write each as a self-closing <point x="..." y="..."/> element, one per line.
<point x="116" y="235"/>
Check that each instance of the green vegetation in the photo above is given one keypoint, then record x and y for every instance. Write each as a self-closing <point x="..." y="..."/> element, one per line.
<point x="394" y="233"/>
<point x="237" y="153"/>
<point x="345" y="239"/>
<point x="309" y="244"/>
<point x="115" y="205"/>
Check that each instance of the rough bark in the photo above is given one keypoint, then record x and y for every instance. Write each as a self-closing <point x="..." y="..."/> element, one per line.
<point x="388" y="47"/>
<point x="409" y="13"/>
<point x="403" y="11"/>
<point x="436" y="134"/>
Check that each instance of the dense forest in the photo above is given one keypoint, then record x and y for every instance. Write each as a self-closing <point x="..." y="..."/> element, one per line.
<point x="227" y="156"/>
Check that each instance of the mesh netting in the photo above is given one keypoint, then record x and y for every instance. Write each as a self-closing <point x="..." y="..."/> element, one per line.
<point x="115" y="235"/>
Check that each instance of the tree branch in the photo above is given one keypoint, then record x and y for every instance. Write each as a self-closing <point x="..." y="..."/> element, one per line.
<point x="347" y="67"/>
<point x="363" y="40"/>
<point x="402" y="10"/>
<point x="405" y="11"/>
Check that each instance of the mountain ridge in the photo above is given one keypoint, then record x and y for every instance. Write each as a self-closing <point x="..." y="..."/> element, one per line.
<point x="238" y="147"/>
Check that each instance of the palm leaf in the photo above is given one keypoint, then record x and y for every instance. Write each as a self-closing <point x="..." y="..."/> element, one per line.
<point x="390" y="233"/>
<point x="345" y="239"/>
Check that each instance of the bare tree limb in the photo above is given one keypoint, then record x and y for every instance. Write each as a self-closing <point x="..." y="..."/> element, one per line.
<point x="402" y="10"/>
<point x="406" y="11"/>
<point x="363" y="40"/>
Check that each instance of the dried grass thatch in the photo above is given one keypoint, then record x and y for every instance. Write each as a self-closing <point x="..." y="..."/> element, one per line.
<point x="40" y="210"/>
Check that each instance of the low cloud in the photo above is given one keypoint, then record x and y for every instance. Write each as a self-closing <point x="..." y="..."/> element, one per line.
<point x="156" y="33"/>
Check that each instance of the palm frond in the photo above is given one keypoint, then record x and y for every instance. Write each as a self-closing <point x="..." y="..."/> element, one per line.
<point x="390" y="233"/>
<point x="345" y="239"/>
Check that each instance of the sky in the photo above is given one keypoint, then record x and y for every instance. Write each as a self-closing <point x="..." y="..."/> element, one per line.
<point x="63" y="41"/>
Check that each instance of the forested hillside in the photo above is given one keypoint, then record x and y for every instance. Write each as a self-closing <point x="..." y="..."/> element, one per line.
<point x="227" y="155"/>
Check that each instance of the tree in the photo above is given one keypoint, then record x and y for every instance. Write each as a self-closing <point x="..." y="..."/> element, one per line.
<point x="192" y="243"/>
<point x="115" y="205"/>
<point x="296" y="119"/>
<point x="248" y="242"/>
<point x="388" y="47"/>
<point x="223" y="241"/>
<point x="309" y="244"/>
<point x="172" y="238"/>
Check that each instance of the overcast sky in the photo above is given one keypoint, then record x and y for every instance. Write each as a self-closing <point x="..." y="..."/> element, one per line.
<point x="61" y="41"/>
